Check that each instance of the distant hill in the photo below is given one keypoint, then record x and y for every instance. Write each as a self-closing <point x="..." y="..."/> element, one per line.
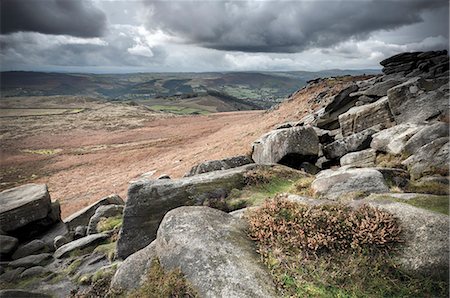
<point x="245" y="90"/>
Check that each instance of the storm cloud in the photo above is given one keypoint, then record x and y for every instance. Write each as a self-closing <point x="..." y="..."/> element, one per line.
<point x="283" y="26"/>
<point x="78" y="18"/>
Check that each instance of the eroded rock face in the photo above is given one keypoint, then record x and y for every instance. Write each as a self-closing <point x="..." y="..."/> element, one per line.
<point x="285" y="146"/>
<point x="364" y="158"/>
<point x="426" y="135"/>
<point x="23" y="205"/>
<point x="419" y="100"/>
<point x="426" y="234"/>
<point x="380" y="89"/>
<point x="82" y="217"/>
<point x="7" y="244"/>
<point x="429" y="159"/>
<point x="363" y="117"/>
<point x="332" y="184"/>
<point x="149" y="201"/>
<point x="213" y="251"/>
<point x="218" y="165"/>
<point x="393" y="140"/>
<point x="31" y="248"/>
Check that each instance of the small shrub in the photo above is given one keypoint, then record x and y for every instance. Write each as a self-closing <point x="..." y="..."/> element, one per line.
<point x="387" y="160"/>
<point x="303" y="186"/>
<point x="160" y="284"/>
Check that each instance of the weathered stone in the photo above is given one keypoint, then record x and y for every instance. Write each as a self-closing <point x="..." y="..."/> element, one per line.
<point x="103" y="212"/>
<point x="325" y="136"/>
<point x="429" y="159"/>
<point x="14" y="293"/>
<point x="32" y="261"/>
<point x="426" y="233"/>
<point x="149" y="201"/>
<point x="355" y="142"/>
<point x="60" y="241"/>
<point x="393" y="140"/>
<point x="360" y="118"/>
<point x="364" y="158"/>
<point x="218" y="165"/>
<point x="11" y="275"/>
<point x="82" y="217"/>
<point x="219" y="260"/>
<point x="286" y="146"/>
<point x="419" y="100"/>
<point x="332" y="184"/>
<point x="426" y="135"/>
<point x="380" y="89"/>
<point x="81" y="243"/>
<point x="163" y="176"/>
<point x="7" y="244"/>
<point x="339" y="104"/>
<point x="34" y="271"/>
<point x="58" y="229"/>
<point x="394" y="176"/>
<point x="23" y="205"/>
<point x="309" y="168"/>
<point x="133" y="271"/>
<point x="30" y="248"/>
<point x="80" y="232"/>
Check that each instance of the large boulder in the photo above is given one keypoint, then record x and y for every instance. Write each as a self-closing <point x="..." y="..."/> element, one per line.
<point x="340" y="103"/>
<point x="335" y="184"/>
<point x="32" y="261"/>
<point x="82" y="217"/>
<point x="103" y="212"/>
<point x="213" y="251"/>
<point x="355" y="142"/>
<point x="363" y="159"/>
<point x="27" y="210"/>
<point x="31" y="248"/>
<point x="79" y="244"/>
<point x="426" y="248"/>
<point x="429" y="159"/>
<point x="218" y="165"/>
<point x="393" y="140"/>
<point x="289" y="146"/>
<point x="380" y="89"/>
<point x="362" y="117"/>
<point x="426" y="135"/>
<point x="419" y="100"/>
<point x="149" y="201"/>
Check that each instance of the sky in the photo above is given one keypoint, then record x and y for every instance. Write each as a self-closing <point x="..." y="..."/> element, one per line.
<point x="108" y="36"/>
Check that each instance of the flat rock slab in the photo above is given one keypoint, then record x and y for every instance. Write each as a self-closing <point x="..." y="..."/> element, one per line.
<point x="81" y="243"/>
<point x="213" y="251"/>
<point x="364" y="158"/>
<point x="149" y="201"/>
<point x="32" y="261"/>
<point x="332" y="184"/>
<point x="31" y="248"/>
<point x="22" y="205"/>
<point x="394" y="139"/>
<point x="82" y="217"/>
<point x="219" y="165"/>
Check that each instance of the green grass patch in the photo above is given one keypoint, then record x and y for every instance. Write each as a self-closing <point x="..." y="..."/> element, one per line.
<point x="428" y="187"/>
<point x="109" y="250"/>
<point x="109" y="223"/>
<point x="334" y="251"/>
<point x="438" y="204"/>
<point x="160" y="283"/>
<point x="178" y="110"/>
<point x="42" y="151"/>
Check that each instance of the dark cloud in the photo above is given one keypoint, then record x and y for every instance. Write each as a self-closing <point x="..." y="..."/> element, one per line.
<point x="283" y="26"/>
<point x="70" y="17"/>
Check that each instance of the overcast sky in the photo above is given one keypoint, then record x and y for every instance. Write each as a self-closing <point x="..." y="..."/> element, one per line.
<point x="175" y="36"/>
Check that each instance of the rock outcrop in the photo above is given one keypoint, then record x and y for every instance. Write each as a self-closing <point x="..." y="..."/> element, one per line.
<point x="218" y="165"/>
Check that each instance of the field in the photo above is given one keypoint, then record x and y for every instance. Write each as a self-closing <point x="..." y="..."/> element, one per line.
<point x="36" y="112"/>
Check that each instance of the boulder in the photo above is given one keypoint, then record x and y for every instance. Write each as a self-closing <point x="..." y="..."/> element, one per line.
<point x="11" y="275"/>
<point x="356" y="142"/>
<point x="363" y="117"/>
<point x="58" y="229"/>
<point x="34" y="271"/>
<point x="419" y="100"/>
<point x="60" y="241"/>
<point x="426" y="248"/>
<point x="133" y="271"/>
<point x="338" y="104"/>
<point x="218" y="165"/>
<point x="7" y="244"/>
<point x="82" y="217"/>
<point x="289" y="146"/>
<point x="393" y="140"/>
<point x="364" y="158"/>
<point x="79" y="244"/>
<point x="30" y="248"/>
<point x="332" y="184"/>
<point x="149" y="201"/>
<point x="213" y="251"/>
<point x="426" y="135"/>
<point x="15" y="293"/>
<point x="429" y="159"/>
<point x="22" y="207"/>
<point x="103" y="212"/>
<point x="380" y="89"/>
<point x="32" y="261"/>
<point x="80" y="232"/>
